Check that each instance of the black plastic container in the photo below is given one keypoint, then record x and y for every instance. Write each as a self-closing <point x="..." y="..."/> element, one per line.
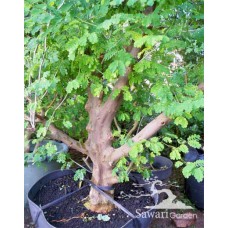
<point x="32" y="172"/>
<point x="37" y="211"/>
<point x="162" y="174"/>
<point x="195" y="190"/>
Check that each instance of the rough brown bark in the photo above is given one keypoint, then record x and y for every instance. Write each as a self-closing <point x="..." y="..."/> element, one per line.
<point x="99" y="145"/>
<point x="102" y="176"/>
<point x="99" y="142"/>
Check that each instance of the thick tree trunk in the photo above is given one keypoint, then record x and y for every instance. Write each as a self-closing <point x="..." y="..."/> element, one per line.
<point x="102" y="176"/>
<point x="98" y="146"/>
<point x="99" y="142"/>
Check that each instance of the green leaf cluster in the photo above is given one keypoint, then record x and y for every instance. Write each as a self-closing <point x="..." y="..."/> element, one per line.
<point x="195" y="169"/>
<point x="79" y="174"/>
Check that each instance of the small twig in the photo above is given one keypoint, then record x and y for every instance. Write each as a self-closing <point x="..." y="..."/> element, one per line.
<point x="135" y="125"/>
<point x="61" y="4"/>
<point x="52" y="102"/>
<point x="117" y="125"/>
<point x="58" y="106"/>
<point x="100" y="72"/>
<point x="80" y="165"/>
<point x="147" y="54"/>
<point x="34" y="53"/>
<point x="32" y="112"/>
<point x="85" y="21"/>
<point x="186" y="79"/>
<point x="67" y="220"/>
<point x="43" y="95"/>
<point x="129" y="167"/>
<point x="42" y="60"/>
<point x="86" y="162"/>
<point x="139" y="125"/>
<point x="175" y="95"/>
<point x="35" y="148"/>
<point x="48" y="123"/>
<point x="169" y="145"/>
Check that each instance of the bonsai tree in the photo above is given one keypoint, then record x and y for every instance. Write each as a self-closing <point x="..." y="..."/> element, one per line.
<point x="95" y="69"/>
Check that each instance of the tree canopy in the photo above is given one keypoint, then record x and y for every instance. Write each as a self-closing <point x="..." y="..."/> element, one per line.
<point x="75" y="50"/>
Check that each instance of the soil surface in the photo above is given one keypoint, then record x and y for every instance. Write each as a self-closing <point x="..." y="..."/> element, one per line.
<point x="55" y="189"/>
<point x="72" y="213"/>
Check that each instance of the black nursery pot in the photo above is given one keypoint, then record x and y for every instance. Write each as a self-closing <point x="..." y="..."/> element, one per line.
<point x="162" y="174"/>
<point x="194" y="189"/>
<point x="37" y="211"/>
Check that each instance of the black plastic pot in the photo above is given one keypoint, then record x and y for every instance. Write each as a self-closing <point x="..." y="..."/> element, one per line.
<point x="37" y="211"/>
<point x="33" y="173"/>
<point x="162" y="174"/>
<point x="192" y="155"/>
<point x="195" y="190"/>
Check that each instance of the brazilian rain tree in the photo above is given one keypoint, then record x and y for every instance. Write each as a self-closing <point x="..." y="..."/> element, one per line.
<point x="118" y="80"/>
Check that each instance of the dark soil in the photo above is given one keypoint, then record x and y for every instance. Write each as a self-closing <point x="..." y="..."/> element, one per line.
<point x="55" y="189"/>
<point x="72" y="213"/>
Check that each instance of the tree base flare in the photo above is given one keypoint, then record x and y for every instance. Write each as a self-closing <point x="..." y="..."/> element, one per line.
<point x="99" y="208"/>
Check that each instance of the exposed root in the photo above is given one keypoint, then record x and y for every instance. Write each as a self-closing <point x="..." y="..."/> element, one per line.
<point x="99" y="208"/>
<point x="82" y="215"/>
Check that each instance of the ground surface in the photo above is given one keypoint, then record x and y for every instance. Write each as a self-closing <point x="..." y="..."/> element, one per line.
<point x="177" y="187"/>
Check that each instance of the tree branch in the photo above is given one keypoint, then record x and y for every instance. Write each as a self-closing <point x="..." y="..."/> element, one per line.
<point x="111" y="106"/>
<point x="148" y="131"/>
<point x="57" y="134"/>
<point x="135" y="125"/>
<point x="117" y="125"/>
<point x="93" y="102"/>
<point x="201" y="86"/>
